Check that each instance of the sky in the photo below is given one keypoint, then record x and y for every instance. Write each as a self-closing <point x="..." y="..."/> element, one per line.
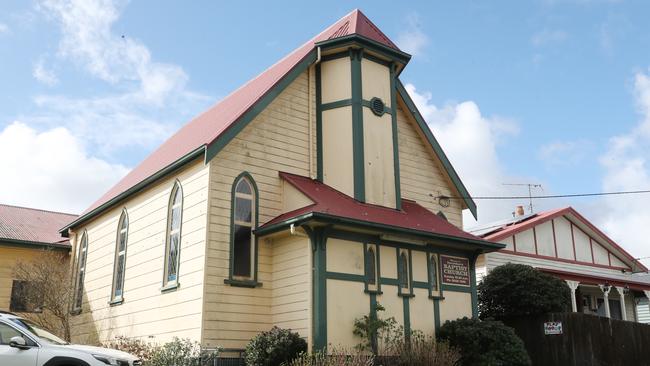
<point x="550" y="92"/>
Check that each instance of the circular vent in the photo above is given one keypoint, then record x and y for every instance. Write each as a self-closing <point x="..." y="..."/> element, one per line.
<point x="377" y="106"/>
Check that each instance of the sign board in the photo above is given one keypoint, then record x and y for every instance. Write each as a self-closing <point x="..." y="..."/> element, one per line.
<point x="455" y="270"/>
<point x="552" y="328"/>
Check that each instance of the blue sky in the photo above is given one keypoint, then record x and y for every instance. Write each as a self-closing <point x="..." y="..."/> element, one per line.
<point x="551" y="92"/>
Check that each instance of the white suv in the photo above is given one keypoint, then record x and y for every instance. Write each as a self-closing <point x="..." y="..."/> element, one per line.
<point x="23" y="343"/>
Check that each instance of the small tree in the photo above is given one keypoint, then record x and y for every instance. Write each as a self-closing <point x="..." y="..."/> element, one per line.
<point x="484" y="343"/>
<point x="520" y="290"/>
<point x="48" y="289"/>
<point x="274" y="347"/>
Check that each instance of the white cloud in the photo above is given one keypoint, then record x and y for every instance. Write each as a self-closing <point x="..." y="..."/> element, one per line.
<point x="51" y="169"/>
<point x="150" y="99"/>
<point x="548" y="36"/>
<point x="626" y="167"/>
<point x="4" y="28"/>
<point x="470" y="140"/>
<point x="44" y="75"/>
<point x="412" y="40"/>
<point x="565" y="153"/>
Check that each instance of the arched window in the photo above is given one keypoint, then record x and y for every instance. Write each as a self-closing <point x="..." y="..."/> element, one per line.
<point x="173" y="242"/>
<point x="244" y="221"/>
<point x="403" y="270"/>
<point x="371" y="266"/>
<point x="433" y="272"/>
<point x="120" y="257"/>
<point x="81" y="271"/>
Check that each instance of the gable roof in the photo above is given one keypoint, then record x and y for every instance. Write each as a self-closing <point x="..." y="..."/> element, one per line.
<point x="332" y="204"/>
<point x="206" y="134"/>
<point x="500" y="232"/>
<point x="32" y="226"/>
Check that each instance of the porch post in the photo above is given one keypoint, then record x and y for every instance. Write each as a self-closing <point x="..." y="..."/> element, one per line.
<point x="621" y="292"/>
<point x="573" y="285"/>
<point x="605" y="289"/>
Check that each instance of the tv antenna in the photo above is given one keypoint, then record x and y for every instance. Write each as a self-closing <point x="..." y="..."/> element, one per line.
<point x="530" y="191"/>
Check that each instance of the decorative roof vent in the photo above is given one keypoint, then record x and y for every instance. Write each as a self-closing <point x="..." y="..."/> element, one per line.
<point x="377" y="106"/>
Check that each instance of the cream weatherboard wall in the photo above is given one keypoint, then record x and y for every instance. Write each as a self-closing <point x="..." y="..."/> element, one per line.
<point x="276" y="140"/>
<point x="146" y="311"/>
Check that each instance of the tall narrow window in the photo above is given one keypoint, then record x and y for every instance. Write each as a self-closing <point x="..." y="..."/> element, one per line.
<point x="81" y="271"/>
<point x="120" y="257"/>
<point x="173" y="244"/>
<point x="403" y="270"/>
<point x="371" y="266"/>
<point x="433" y="273"/>
<point x="243" y="223"/>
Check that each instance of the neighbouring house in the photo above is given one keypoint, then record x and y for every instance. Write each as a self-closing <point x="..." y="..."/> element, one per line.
<point x="24" y="234"/>
<point x="604" y="279"/>
<point x="301" y="200"/>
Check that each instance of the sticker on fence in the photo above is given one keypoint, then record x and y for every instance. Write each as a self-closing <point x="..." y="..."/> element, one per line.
<point x="552" y="328"/>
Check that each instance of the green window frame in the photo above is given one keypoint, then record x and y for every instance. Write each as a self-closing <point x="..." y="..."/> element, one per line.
<point x="119" y="263"/>
<point x="173" y="237"/>
<point x="433" y="269"/>
<point x="81" y="272"/>
<point x="244" y="218"/>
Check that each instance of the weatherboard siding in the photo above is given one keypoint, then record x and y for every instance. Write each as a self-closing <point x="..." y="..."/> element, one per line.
<point x="276" y="140"/>
<point x="421" y="174"/>
<point x="146" y="312"/>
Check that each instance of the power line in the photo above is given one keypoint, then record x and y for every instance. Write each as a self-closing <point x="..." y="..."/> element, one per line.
<point x="547" y="196"/>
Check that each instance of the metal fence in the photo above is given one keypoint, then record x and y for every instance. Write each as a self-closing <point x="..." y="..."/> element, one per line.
<point x="583" y="340"/>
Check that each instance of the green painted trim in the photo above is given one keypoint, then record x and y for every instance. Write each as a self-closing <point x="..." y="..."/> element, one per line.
<point x="355" y="39"/>
<point x="135" y="189"/>
<point x="319" y="315"/>
<point x="345" y="277"/>
<point x="438" y="276"/>
<point x="233" y="130"/>
<point x="332" y="219"/>
<point x="334" y="56"/>
<point x="420" y="284"/>
<point x="376" y="59"/>
<point x="410" y="259"/>
<point x="319" y="127"/>
<point x="456" y="288"/>
<point x="396" y="169"/>
<point x="437" y="148"/>
<point x="357" y="126"/>
<point x="472" y="273"/>
<point x="373" y="315"/>
<point x="337" y="104"/>
<point x="33" y="245"/>
<point x="407" y="317"/>
<point x="436" y="314"/>
<point x="389" y="281"/>
<point x="231" y="280"/>
<point x="368" y="104"/>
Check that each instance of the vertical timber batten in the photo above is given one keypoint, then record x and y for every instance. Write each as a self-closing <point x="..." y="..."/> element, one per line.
<point x="318" y="239"/>
<point x="319" y="127"/>
<point x="357" y="125"/>
<point x="393" y="106"/>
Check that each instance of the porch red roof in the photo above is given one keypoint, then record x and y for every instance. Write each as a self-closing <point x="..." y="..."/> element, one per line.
<point x="329" y="201"/>
<point x="207" y="127"/>
<point x="30" y="225"/>
<point x="622" y="280"/>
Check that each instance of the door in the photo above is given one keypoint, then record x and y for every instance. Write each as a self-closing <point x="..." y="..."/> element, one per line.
<point x="15" y="356"/>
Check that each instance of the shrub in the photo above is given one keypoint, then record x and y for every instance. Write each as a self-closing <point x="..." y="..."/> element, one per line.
<point x="181" y="352"/>
<point x="142" y="350"/>
<point x="520" y="290"/>
<point x="337" y="357"/>
<point x="486" y="342"/>
<point x="418" y="350"/>
<point x="274" y="347"/>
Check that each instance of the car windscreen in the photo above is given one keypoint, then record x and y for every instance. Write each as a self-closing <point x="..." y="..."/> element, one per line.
<point x="42" y="334"/>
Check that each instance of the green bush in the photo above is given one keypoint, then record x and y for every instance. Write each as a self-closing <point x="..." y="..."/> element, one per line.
<point x="486" y="342"/>
<point x="520" y="290"/>
<point x="274" y="347"/>
<point x="181" y="352"/>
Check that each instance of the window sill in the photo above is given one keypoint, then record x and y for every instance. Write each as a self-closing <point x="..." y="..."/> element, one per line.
<point x="375" y="292"/>
<point x="439" y="297"/>
<point x="116" y="302"/>
<point x="406" y="295"/>
<point x="170" y="287"/>
<point x="75" y="311"/>
<point x="242" y="283"/>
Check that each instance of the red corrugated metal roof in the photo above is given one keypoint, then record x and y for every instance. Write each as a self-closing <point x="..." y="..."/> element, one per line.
<point x="207" y="127"/>
<point x="508" y="230"/>
<point x="328" y="200"/>
<point x="32" y="225"/>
